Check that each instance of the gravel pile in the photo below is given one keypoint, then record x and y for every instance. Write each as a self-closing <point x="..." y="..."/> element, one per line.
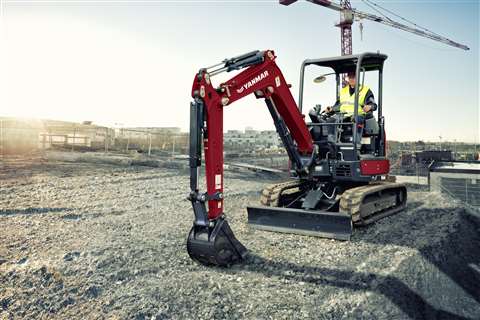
<point x="101" y="241"/>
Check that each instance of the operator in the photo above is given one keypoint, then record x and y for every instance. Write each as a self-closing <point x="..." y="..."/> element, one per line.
<point x="366" y="105"/>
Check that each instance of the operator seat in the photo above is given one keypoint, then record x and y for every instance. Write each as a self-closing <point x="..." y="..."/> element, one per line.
<point x="318" y="133"/>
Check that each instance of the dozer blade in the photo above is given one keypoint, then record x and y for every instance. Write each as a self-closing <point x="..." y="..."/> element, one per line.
<point x="215" y="245"/>
<point x="325" y="224"/>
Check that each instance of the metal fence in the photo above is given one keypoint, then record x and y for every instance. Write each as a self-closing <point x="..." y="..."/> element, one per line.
<point x="20" y="137"/>
<point x="149" y="141"/>
<point x="464" y="191"/>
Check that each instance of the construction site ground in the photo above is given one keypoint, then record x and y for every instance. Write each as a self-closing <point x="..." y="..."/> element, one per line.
<point x="105" y="241"/>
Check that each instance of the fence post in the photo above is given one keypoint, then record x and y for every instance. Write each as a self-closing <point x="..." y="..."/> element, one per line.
<point x="106" y="139"/>
<point x="149" y="143"/>
<point x="466" y="191"/>
<point x="73" y="141"/>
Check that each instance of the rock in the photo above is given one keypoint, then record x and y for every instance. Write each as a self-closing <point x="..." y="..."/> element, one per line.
<point x="68" y="301"/>
<point x="5" y="302"/>
<point x="93" y="291"/>
<point x="71" y="256"/>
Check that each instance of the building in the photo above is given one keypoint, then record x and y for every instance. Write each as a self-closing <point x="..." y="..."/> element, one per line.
<point x="251" y="139"/>
<point x="73" y="134"/>
<point x="417" y="163"/>
<point x="427" y="156"/>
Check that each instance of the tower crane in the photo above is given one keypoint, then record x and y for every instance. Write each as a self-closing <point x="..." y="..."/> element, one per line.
<point x="348" y="14"/>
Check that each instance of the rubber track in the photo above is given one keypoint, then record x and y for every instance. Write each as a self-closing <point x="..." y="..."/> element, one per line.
<point x="271" y="193"/>
<point x="352" y="200"/>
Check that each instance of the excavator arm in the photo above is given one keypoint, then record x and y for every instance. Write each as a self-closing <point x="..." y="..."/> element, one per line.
<point x="211" y="241"/>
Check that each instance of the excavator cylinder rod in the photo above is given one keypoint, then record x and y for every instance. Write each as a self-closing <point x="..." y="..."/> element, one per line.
<point x="215" y="245"/>
<point x="240" y="62"/>
<point x="325" y="224"/>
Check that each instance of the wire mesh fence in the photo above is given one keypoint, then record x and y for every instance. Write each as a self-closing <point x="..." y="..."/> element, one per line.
<point x="27" y="136"/>
<point x="20" y="137"/>
<point x="464" y="191"/>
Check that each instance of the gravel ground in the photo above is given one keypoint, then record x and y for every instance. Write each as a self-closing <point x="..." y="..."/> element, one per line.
<point x="107" y="242"/>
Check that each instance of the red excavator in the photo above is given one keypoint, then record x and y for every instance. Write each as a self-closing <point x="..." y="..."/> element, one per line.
<point x="338" y="180"/>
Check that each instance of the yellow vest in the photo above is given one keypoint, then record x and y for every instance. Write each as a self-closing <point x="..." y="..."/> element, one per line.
<point x="347" y="101"/>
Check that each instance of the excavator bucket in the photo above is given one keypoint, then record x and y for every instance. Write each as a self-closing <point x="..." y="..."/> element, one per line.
<point x="215" y="246"/>
<point x="325" y="224"/>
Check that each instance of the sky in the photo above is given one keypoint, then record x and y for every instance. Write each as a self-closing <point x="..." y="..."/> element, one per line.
<point x="132" y="63"/>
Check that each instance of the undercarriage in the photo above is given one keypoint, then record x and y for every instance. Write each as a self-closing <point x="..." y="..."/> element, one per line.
<point x="297" y="207"/>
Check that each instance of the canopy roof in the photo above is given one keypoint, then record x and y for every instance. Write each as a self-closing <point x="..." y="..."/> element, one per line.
<point x="343" y="64"/>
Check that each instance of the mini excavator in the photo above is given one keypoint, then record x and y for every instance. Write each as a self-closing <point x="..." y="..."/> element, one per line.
<point x="335" y="184"/>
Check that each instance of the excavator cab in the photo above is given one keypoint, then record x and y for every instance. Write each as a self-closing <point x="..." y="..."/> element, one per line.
<point x="342" y="127"/>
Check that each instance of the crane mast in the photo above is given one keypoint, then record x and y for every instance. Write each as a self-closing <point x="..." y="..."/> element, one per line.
<point x="345" y="25"/>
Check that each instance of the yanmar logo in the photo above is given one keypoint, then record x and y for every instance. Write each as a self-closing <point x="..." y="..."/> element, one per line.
<point x="254" y="81"/>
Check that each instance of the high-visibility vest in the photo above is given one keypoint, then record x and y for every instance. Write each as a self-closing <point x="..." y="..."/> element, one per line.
<point x="347" y="100"/>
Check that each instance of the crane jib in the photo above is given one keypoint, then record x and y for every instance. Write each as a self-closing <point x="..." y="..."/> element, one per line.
<point x="345" y="6"/>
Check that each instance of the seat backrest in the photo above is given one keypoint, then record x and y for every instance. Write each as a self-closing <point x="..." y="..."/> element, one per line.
<point x="318" y="133"/>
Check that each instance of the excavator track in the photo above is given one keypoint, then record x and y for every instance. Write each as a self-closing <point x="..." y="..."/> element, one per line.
<point x="271" y="194"/>
<point x="369" y="203"/>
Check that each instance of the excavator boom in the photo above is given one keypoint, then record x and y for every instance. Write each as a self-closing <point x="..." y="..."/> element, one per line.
<point x="263" y="78"/>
